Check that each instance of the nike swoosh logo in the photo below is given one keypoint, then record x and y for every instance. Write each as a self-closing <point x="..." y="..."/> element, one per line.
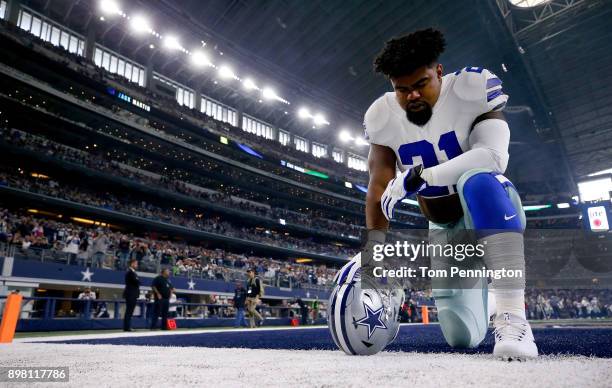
<point x="509" y="218"/>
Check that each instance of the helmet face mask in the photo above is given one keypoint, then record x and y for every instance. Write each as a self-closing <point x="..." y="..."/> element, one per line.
<point x="363" y="320"/>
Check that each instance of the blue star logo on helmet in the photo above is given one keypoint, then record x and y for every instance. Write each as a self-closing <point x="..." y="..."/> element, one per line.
<point x="372" y="320"/>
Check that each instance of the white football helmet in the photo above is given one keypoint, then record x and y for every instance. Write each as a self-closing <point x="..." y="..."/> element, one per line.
<point x="362" y="319"/>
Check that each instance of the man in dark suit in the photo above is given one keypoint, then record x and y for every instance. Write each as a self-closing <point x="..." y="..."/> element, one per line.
<point x="240" y="296"/>
<point x="130" y="293"/>
<point x="162" y="289"/>
<point x="303" y="311"/>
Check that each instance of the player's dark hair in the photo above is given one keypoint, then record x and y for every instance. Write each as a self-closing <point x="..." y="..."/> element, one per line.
<point x="402" y="56"/>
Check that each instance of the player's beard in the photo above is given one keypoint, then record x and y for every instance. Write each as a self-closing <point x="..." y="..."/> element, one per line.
<point x="421" y="116"/>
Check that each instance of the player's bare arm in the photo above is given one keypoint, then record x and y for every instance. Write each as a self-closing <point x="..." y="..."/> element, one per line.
<point x="381" y="164"/>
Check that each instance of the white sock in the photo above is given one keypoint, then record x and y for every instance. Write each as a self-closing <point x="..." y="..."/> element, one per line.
<point x="510" y="301"/>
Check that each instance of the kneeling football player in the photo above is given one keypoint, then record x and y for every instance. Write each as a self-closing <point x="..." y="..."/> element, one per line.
<point x="449" y="139"/>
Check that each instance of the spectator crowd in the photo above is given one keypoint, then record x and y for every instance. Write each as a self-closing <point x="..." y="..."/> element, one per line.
<point x="308" y="217"/>
<point x="100" y="247"/>
<point x="171" y="215"/>
<point x="568" y="303"/>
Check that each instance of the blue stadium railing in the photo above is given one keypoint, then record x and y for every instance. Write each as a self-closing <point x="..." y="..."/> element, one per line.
<point x="67" y="314"/>
<point x="152" y="266"/>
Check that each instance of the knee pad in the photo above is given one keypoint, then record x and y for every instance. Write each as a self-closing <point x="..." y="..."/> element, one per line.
<point x="490" y="202"/>
<point x="463" y="315"/>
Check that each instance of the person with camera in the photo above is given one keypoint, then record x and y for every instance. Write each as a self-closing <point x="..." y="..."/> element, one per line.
<point x="254" y="293"/>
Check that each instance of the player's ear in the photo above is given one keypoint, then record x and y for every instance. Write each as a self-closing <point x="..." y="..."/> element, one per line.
<point x="439" y="71"/>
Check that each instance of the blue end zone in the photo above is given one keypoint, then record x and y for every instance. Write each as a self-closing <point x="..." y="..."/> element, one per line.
<point x="425" y="339"/>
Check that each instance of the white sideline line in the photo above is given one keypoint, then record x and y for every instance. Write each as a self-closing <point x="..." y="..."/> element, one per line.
<point x="147" y="333"/>
<point x="156" y="333"/>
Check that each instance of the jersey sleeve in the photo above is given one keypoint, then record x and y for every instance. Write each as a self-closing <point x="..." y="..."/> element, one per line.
<point x="482" y="88"/>
<point x="375" y="121"/>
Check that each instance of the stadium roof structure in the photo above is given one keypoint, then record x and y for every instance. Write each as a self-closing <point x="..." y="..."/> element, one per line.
<point x="567" y="45"/>
<point x="554" y="59"/>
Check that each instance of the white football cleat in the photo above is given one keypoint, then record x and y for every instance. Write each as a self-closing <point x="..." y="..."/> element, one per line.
<point x="513" y="338"/>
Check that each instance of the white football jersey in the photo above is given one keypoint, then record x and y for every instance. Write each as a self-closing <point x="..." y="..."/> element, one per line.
<point x="465" y="95"/>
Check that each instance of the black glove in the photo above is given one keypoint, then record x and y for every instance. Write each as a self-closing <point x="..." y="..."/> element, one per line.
<point x="413" y="182"/>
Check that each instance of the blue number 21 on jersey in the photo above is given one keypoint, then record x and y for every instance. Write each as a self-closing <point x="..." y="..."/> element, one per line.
<point x="448" y="143"/>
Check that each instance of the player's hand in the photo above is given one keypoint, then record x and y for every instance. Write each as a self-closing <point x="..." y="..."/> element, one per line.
<point x="400" y="187"/>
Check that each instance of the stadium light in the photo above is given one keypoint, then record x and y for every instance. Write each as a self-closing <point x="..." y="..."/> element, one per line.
<point x="199" y="59"/>
<point x="360" y="141"/>
<point x="563" y="205"/>
<point x="345" y="136"/>
<point x="528" y="3"/>
<point x="226" y="72"/>
<point x="249" y="84"/>
<point x="602" y="172"/>
<point x="304" y="113"/>
<point x="172" y="43"/>
<point x="140" y="24"/>
<point x="319" y="119"/>
<point x="269" y="94"/>
<point x="110" y="7"/>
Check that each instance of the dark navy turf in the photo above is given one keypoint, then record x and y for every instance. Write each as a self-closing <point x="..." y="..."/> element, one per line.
<point x="427" y="339"/>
